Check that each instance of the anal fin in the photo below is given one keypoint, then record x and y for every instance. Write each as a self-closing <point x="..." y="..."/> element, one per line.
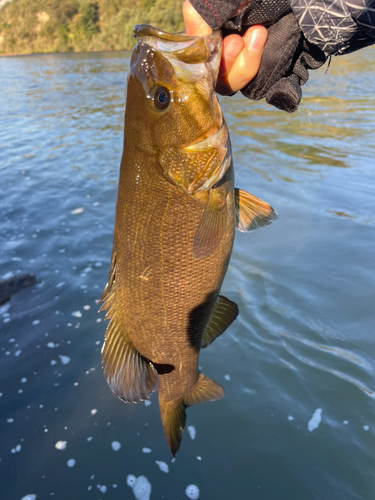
<point x="204" y="390"/>
<point x="223" y="314"/>
<point x="251" y="212"/>
<point x="130" y="376"/>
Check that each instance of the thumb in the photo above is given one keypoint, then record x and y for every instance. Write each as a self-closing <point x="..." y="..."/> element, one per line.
<point x="195" y="25"/>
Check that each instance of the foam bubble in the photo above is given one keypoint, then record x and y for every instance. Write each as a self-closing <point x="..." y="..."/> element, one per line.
<point x="77" y="314"/>
<point x="192" y="491"/>
<point x="77" y="211"/>
<point x="315" y="420"/>
<point x="162" y="466"/>
<point x="71" y="462"/>
<point x="29" y="497"/>
<point x="64" y="359"/>
<point x="192" y="432"/>
<point x="60" y="445"/>
<point x="115" y="445"/>
<point x="146" y="450"/>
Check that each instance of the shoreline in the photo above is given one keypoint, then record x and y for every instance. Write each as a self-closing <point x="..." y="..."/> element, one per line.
<point x="67" y="52"/>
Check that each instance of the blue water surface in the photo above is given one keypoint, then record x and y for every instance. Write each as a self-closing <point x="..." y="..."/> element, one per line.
<point x="298" y="368"/>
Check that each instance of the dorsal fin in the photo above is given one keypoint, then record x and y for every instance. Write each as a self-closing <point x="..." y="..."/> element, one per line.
<point x="131" y="376"/>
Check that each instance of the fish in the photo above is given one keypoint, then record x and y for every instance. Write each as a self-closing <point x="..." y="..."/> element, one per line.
<point x="176" y="214"/>
<point x="14" y="284"/>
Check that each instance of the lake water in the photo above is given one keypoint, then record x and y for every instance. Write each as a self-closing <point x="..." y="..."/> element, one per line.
<point x="302" y="345"/>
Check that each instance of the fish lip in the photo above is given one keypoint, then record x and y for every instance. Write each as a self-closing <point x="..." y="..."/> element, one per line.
<point x="146" y="30"/>
<point x="214" y="140"/>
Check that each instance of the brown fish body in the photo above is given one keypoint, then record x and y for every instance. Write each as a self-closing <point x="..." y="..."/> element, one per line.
<point x="175" y="218"/>
<point x="168" y="293"/>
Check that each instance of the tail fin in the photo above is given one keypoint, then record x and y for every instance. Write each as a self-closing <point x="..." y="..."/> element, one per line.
<point x="173" y="414"/>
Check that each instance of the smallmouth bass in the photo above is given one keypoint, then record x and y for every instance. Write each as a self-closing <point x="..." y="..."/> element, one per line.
<point x="176" y="214"/>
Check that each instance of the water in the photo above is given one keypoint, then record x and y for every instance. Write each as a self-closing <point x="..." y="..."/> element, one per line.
<point x="298" y="365"/>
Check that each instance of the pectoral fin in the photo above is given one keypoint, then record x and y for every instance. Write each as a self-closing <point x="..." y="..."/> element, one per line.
<point x="251" y="212"/>
<point x="211" y="227"/>
<point x="223" y="314"/>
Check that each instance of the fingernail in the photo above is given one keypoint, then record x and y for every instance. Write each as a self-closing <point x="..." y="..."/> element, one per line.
<point x="257" y="40"/>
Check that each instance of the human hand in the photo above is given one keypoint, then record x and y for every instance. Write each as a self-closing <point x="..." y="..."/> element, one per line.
<point x="240" y="59"/>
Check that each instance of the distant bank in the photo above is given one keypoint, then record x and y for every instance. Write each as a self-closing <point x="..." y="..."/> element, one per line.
<point x="40" y="26"/>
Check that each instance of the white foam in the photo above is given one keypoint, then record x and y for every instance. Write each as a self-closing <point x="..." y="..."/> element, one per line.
<point x="60" y="445"/>
<point x="103" y="488"/>
<point x="23" y="380"/>
<point x="89" y="438"/>
<point x="192" y="432"/>
<point x="192" y="491"/>
<point x="86" y="308"/>
<point x="315" y="420"/>
<point x="30" y="496"/>
<point x="77" y="314"/>
<point x="17" y="353"/>
<point x="59" y="285"/>
<point x="147" y="402"/>
<point x="51" y="345"/>
<point x="64" y="359"/>
<point x="36" y="322"/>
<point x="345" y="422"/>
<point x="366" y="427"/>
<point x="146" y="450"/>
<point x="162" y="466"/>
<point x="227" y="377"/>
<point x="115" y="445"/>
<point x="77" y="211"/>
<point x="94" y="411"/>
<point x="10" y="420"/>
<point x="71" y="462"/>
<point x="140" y="485"/>
<point x="290" y="418"/>
<point x="53" y="362"/>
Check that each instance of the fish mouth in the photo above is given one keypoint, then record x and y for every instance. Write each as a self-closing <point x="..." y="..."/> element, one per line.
<point x="192" y="57"/>
<point x="215" y="140"/>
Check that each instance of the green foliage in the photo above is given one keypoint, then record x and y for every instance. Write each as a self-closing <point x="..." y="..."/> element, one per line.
<point x="79" y="25"/>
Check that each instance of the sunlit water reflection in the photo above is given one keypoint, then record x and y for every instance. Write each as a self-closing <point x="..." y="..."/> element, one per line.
<point x="304" y="339"/>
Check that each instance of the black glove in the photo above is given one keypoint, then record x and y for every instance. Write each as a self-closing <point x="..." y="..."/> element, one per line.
<point x="287" y="55"/>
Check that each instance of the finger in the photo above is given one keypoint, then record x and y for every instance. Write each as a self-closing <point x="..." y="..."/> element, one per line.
<point x="195" y="25"/>
<point x="232" y="46"/>
<point x="246" y="65"/>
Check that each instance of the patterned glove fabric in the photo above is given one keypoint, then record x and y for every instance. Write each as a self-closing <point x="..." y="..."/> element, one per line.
<point x="286" y="59"/>
<point x="287" y="56"/>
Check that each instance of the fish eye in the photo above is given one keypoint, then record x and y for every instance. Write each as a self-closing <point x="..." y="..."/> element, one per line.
<point x="161" y="98"/>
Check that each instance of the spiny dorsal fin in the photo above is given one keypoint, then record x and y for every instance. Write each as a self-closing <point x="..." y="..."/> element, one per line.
<point x="173" y="417"/>
<point x="211" y="227"/>
<point x="251" y="212"/>
<point x="205" y="389"/>
<point x="223" y="314"/>
<point x="129" y="375"/>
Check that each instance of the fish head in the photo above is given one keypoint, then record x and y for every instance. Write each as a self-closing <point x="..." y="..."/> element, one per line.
<point x="171" y="98"/>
